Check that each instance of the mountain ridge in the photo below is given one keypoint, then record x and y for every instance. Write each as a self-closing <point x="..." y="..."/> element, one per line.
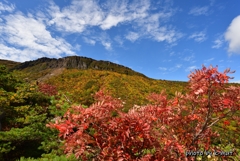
<point x="72" y="62"/>
<point x="43" y="68"/>
<point x="80" y="77"/>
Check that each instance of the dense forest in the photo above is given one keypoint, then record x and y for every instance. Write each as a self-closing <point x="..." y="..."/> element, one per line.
<point x="43" y="104"/>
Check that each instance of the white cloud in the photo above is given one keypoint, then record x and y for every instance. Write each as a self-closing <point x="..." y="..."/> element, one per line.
<point x="105" y="40"/>
<point x="188" y="58"/>
<point x="232" y="35"/>
<point x="111" y="21"/>
<point x="89" y="41"/>
<point x="77" y="47"/>
<point x="28" y="39"/>
<point x="163" y="34"/>
<point x="107" y="45"/>
<point x="31" y="33"/>
<point x="84" y="15"/>
<point x="5" y="7"/>
<point x="119" y="40"/>
<point x="178" y="66"/>
<point x="190" y="68"/>
<point x="217" y="43"/>
<point x="102" y="38"/>
<point x="197" y="11"/>
<point x="198" y="36"/>
<point x="76" y="17"/>
<point x="11" y="53"/>
<point x="124" y="12"/>
<point x="132" y="36"/>
<point x="150" y="28"/>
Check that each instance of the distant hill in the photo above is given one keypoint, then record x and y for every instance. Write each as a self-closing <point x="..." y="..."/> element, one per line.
<point x="74" y="62"/>
<point x="43" y="68"/>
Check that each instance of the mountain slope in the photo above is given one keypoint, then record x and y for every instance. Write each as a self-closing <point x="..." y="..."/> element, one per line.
<point x="9" y="64"/>
<point x="82" y="84"/>
<point x="80" y="77"/>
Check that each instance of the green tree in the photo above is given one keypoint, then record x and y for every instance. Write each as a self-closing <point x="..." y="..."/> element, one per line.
<point x="24" y="114"/>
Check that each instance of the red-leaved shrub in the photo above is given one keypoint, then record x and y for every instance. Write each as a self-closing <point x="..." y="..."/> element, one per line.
<point x="163" y="130"/>
<point x="47" y="89"/>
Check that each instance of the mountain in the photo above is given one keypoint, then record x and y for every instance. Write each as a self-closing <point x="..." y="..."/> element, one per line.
<point x="47" y="66"/>
<point x="80" y="77"/>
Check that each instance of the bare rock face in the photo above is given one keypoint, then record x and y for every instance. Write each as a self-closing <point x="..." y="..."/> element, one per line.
<point x="75" y="62"/>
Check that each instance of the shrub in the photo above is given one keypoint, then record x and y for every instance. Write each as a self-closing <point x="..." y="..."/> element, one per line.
<point x="163" y="130"/>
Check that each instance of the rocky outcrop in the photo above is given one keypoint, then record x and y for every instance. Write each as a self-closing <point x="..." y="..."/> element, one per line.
<point x="74" y="62"/>
<point x="67" y="62"/>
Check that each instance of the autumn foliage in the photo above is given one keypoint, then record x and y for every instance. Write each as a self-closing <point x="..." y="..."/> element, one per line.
<point x="47" y="89"/>
<point x="163" y="130"/>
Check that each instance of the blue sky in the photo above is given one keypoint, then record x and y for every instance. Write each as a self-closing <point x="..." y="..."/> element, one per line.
<point x="163" y="39"/>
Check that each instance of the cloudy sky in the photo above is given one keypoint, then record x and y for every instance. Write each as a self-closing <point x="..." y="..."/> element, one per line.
<point x="163" y="39"/>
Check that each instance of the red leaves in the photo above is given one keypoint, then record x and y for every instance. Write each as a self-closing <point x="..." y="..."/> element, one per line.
<point x="226" y="123"/>
<point x="130" y="131"/>
<point x="175" y="102"/>
<point x="64" y="129"/>
<point x="158" y="99"/>
<point x="208" y="78"/>
<point x="47" y="89"/>
<point x="226" y="102"/>
<point x="169" y="127"/>
<point x="199" y="91"/>
<point x="194" y="117"/>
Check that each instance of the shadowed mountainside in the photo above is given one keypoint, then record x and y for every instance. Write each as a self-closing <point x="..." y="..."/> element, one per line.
<point x="72" y="62"/>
